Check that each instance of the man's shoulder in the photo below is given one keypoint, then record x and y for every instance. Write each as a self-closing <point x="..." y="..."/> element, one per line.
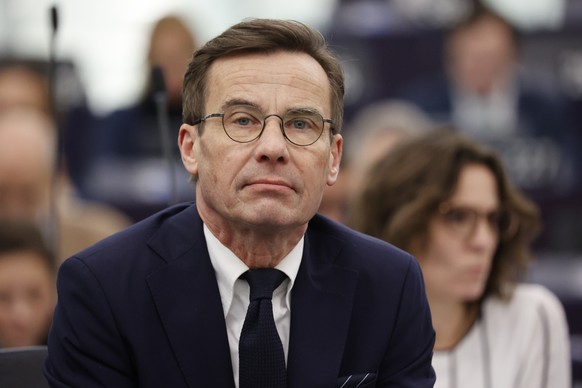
<point x="133" y="243"/>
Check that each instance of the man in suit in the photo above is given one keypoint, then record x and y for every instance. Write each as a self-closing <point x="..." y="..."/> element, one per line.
<point x="164" y="303"/>
<point x="487" y="93"/>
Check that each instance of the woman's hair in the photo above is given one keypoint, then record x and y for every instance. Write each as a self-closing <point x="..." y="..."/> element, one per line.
<point x="261" y="36"/>
<point x="20" y="235"/>
<point x="402" y="192"/>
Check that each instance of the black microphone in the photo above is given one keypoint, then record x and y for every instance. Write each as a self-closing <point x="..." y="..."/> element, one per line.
<point x="54" y="19"/>
<point x="161" y="100"/>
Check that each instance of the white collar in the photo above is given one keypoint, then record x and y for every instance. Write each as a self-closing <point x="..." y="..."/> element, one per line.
<point x="228" y="267"/>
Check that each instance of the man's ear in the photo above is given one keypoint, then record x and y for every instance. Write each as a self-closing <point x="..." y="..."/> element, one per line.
<point x="335" y="157"/>
<point x="187" y="142"/>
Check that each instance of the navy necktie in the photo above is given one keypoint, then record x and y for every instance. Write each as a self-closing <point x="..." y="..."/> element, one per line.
<point x="261" y="356"/>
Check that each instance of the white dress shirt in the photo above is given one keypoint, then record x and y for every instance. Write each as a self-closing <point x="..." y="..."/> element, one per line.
<point x="488" y="117"/>
<point x="234" y="293"/>
<point x="522" y="343"/>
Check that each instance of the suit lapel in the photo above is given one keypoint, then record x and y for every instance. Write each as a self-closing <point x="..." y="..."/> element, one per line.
<point x="187" y="298"/>
<point x="321" y="306"/>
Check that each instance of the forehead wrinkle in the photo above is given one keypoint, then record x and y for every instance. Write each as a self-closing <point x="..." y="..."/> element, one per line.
<point x="303" y="99"/>
<point x="244" y="102"/>
<point x="250" y="76"/>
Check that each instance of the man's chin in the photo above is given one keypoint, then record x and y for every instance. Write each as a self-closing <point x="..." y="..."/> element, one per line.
<point x="274" y="216"/>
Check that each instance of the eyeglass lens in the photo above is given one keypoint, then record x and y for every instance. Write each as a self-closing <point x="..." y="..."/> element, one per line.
<point x="464" y="220"/>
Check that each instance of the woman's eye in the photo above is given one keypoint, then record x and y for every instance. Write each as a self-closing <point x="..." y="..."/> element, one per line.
<point x="458" y="216"/>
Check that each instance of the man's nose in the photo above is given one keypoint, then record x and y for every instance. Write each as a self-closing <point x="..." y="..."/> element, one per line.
<point x="272" y="145"/>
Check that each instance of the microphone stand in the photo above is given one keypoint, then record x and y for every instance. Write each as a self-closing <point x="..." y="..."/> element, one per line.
<point x="161" y="101"/>
<point x="53" y="220"/>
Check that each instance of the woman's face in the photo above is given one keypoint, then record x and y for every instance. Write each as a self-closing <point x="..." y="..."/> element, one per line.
<point x="462" y="238"/>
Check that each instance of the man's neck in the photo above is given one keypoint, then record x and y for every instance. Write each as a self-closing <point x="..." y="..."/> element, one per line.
<point x="257" y="247"/>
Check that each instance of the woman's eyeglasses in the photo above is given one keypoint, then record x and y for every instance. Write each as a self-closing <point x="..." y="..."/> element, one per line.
<point x="463" y="220"/>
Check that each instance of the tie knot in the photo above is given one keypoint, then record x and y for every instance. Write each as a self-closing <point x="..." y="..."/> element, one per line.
<point x="263" y="281"/>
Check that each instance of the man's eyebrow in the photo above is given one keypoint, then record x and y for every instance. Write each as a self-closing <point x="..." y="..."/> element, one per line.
<point x="238" y="101"/>
<point x="304" y="110"/>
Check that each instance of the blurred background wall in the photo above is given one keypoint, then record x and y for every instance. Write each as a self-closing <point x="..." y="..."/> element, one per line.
<point x="107" y="39"/>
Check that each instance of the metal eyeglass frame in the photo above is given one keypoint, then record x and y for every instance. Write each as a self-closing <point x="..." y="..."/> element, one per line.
<point x="264" y="121"/>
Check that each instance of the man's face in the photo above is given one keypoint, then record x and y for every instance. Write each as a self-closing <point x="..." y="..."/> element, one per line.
<point x="269" y="183"/>
<point x="482" y="56"/>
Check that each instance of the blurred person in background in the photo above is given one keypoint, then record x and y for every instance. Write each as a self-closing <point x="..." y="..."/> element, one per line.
<point x="373" y="132"/>
<point x="486" y="93"/>
<point x="127" y="155"/>
<point x="377" y="128"/>
<point x="22" y="85"/>
<point x="27" y="162"/>
<point x="448" y="201"/>
<point x="27" y="285"/>
<point x="132" y="133"/>
<point x="31" y="188"/>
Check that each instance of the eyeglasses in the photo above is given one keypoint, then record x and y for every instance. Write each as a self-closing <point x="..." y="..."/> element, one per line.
<point x="243" y="124"/>
<point x="463" y="221"/>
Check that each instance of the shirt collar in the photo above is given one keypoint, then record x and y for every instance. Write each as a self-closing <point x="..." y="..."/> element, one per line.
<point x="228" y="267"/>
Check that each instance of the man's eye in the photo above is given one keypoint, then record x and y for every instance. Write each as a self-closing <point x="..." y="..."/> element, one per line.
<point x="243" y="121"/>
<point x="300" y="124"/>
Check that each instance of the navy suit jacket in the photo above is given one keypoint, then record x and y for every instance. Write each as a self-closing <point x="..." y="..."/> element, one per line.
<point x="142" y="308"/>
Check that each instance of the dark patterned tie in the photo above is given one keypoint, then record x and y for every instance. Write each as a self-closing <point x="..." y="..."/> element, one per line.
<point x="261" y="356"/>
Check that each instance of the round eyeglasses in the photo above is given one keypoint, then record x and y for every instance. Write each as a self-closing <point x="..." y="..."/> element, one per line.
<point x="243" y="124"/>
<point x="463" y="221"/>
